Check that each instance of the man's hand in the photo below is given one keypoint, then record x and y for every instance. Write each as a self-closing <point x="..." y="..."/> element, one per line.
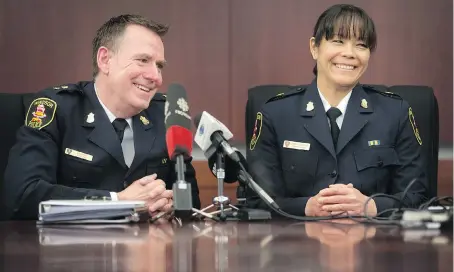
<point x="146" y="188"/>
<point x="340" y="198"/>
<point x="161" y="203"/>
<point x="151" y="190"/>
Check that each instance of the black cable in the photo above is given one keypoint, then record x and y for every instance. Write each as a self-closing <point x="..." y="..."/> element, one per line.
<point x="406" y="191"/>
<point x="275" y="207"/>
<point x="434" y="200"/>
<point x="377" y="219"/>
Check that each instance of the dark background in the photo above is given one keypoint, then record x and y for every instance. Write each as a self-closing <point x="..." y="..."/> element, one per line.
<point x="218" y="49"/>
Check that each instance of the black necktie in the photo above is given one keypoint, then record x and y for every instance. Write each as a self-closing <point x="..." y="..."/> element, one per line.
<point x="333" y="113"/>
<point x="119" y="126"/>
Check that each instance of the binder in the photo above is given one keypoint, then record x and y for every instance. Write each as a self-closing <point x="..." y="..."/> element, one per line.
<point x="91" y="211"/>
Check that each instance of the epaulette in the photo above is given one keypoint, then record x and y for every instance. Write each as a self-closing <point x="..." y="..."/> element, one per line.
<point x="384" y="93"/>
<point x="290" y="92"/>
<point x="159" y="97"/>
<point x="67" y="88"/>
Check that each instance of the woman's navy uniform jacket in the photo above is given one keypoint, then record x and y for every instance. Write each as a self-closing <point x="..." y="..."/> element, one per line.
<point x="292" y="155"/>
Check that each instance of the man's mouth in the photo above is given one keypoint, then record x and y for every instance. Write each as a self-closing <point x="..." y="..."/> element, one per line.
<point x="143" y="88"/>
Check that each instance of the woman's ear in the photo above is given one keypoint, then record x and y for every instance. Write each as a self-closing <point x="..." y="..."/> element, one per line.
<point x="313" y="48"/>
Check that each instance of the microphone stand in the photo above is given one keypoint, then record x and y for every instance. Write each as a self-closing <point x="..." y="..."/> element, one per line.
<point x="221" y="202"/>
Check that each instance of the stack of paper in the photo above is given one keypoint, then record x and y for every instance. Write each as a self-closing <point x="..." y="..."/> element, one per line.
<point x="90" y="211"/>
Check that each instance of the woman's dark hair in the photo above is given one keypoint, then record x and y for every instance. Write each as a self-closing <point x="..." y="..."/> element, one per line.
<point x="345" y="21"/>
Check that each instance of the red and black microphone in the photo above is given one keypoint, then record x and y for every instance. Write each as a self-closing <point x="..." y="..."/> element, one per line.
<point x="179" y="146"/>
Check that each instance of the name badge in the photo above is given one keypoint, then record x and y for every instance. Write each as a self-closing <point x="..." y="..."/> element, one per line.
<point x="78" y="154"/>
<point x="296" y="145"/>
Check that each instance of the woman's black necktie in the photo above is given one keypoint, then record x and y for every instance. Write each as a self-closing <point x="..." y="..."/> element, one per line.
<point x="332" y="114"/>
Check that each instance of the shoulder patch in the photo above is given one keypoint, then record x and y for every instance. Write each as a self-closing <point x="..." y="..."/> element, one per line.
<point x="384" y="93"/>
<point x="40" y="113"/>
<point x="257" y="131"/>
<point x="287" y="94"/>
<point x="411" y="117"/>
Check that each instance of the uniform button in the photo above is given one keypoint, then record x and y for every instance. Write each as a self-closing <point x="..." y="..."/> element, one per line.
<point x="380" y="162"/>
<point x="333" y="174"/>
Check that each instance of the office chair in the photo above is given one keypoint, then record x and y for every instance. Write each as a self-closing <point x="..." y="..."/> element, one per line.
<point x="13" y="108"/>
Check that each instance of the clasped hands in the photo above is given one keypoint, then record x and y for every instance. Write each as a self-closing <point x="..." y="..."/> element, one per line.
<point x="337" y="199"/>
<point x="152" y="190"/>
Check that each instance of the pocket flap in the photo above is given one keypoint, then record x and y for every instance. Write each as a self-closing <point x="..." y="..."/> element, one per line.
<point x="375" y="157"/>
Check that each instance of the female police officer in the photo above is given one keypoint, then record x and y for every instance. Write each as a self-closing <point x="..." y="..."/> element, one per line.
<point x="341" y="141"/>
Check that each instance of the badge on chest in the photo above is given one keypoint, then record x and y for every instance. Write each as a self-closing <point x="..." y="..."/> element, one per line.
<point x="296" y="145"/>
<point x="78" y="154"/>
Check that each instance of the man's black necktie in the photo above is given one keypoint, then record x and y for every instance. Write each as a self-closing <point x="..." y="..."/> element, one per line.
<point x="333" y="113"/>
<point x="119" y="126"/>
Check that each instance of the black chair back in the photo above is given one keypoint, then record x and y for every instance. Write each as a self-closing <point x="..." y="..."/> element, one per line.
<point x="13" y="110"/>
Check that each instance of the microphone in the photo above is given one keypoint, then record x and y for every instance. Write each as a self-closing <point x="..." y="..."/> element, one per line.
<point x="179" y="146"/>
<point x="232" y="169"/>
<point x="212" y="134"/>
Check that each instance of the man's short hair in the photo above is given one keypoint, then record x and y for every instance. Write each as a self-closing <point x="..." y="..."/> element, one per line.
<point x="111" y="30"/>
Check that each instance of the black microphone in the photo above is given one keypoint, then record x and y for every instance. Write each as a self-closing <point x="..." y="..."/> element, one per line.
<point x="232" y="168"/>
<point x="179" y="146"/>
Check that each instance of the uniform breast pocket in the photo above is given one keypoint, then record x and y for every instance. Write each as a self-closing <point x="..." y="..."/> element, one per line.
<point x="299" y="167"/>
<point x="84" y="173"/>
<point x="375" y="165"/>
<point x="381" y="157"/>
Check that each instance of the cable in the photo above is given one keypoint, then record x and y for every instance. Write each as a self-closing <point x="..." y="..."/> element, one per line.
<point x="436" y="199"/>
<point x="273" y="205"/>
<point x="392" y="219"/>
<point x="406" y="191"/>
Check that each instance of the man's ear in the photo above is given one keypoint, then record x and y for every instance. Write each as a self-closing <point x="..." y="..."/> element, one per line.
<point x="103" y="59"/>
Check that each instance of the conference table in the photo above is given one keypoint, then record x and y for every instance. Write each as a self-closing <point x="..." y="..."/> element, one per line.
<point x="276" y="245"/>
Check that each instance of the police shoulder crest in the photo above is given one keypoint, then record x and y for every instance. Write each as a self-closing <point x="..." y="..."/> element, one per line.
<point x="411" y="117"/>
<point x="41" y="113"/>
<point x="257" y="131"/>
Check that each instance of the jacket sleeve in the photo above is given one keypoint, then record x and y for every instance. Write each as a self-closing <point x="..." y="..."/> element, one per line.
<point x="266" y="169"/>
<point x="408" y="148"/>
<point x="31" y="173"/>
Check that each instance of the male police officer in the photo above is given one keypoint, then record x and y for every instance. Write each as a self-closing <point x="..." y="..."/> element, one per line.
<point x="104" y="138"/>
